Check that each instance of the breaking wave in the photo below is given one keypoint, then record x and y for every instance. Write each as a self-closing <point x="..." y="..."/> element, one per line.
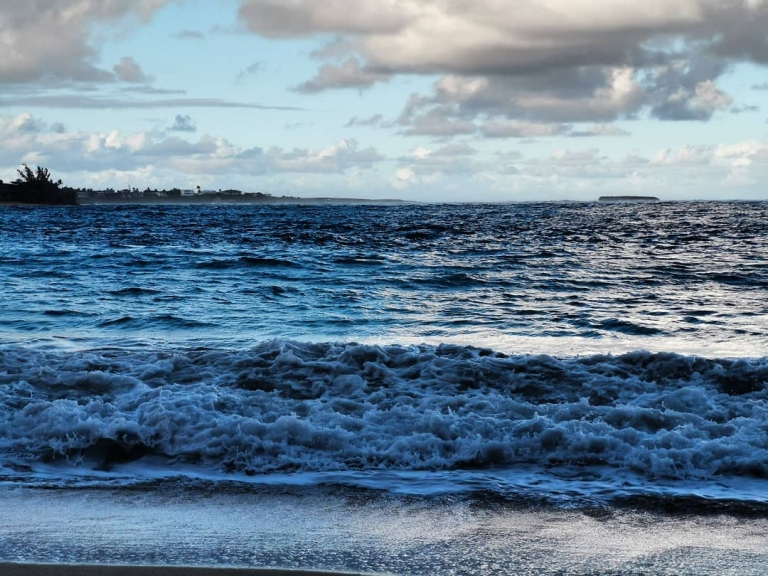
<point x="287" y="407"/>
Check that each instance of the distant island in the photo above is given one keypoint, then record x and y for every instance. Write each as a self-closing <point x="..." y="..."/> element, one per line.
<point x="609" y="199"/>
<point x="37" y="187"/>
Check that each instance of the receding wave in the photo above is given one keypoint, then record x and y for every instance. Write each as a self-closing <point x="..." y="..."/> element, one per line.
<point x="287" y="407"/>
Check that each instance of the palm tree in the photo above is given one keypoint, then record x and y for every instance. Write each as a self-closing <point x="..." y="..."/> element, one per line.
<point x="39" y="177"/>
<point x="37" y="186"/>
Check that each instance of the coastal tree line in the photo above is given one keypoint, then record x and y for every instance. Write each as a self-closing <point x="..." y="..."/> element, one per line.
<point x="36" y="187"/>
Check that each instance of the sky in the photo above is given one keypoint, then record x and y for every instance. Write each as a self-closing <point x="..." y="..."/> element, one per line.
<point x="427" y="100"/>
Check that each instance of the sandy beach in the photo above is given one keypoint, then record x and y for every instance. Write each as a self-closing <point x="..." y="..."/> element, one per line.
<point x="205" y="533"/>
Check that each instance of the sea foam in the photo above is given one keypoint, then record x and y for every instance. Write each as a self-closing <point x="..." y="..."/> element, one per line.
<point x="289" y="407"/>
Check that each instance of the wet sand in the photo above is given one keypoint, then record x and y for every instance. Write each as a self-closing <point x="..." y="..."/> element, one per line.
<point x="287" y="532"/>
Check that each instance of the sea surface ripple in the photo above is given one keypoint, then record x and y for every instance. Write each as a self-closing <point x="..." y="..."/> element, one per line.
<point x="668" y="276"/>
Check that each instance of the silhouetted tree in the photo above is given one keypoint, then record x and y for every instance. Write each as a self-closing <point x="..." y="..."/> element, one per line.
<point x="37" y="186"/>
<point x="39" y="177"/>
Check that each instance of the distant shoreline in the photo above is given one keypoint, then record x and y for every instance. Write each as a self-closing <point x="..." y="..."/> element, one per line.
<point x="628" y="199"/>
<point x="268" y="201"/>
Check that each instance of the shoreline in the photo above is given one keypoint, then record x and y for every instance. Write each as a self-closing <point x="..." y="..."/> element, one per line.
<point x="30" y="569"/>
<point x="277" y="202"/>
<point x="175" y="532"/>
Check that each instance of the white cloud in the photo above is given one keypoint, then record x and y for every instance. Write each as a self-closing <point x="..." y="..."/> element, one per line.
<point x="113" y="150"/>
<point x="345" y="167"/>
<point x="403" y="178"/>
<point x="685" y="156"/>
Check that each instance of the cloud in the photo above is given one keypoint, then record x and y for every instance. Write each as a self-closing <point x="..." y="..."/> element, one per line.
<point x="25" y="136"/>
<point x="599" y="130"/>
<point x="699" y="104"/>
<point x="337" y="158"/>
<point x="127" y="70"/>
<point x="183" y="123"/>
<point x="557" y="62"/>
<point x="454" y="150"/>
<point x="151" y="90"/>
<point x="277" y="18"/>
<point x="486" y="37"/>
<point x="567" y="96"/>
<point x="438" y="123"/>
<point x="403" y="178"/>
<point x="49" y="40"/>
<point x="744" y="108"/>
<point x="374" y="120"/>
<point x="190" y="35"/>
<point x="107" y="102"/>
<point x="424" y="164"/>
<point x="348" y="75"/>
<point x="521" y="129"/>
<point x="254" y="68"/>
<point x="443" y="172"/>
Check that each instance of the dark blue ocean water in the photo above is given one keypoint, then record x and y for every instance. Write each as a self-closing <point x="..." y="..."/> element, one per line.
<point x="566" y="352"/>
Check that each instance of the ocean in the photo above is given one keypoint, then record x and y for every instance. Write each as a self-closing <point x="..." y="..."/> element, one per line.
<point x="413" y="386"/>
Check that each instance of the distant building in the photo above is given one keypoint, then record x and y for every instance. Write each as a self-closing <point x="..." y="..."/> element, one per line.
<point x="188" y="193"/>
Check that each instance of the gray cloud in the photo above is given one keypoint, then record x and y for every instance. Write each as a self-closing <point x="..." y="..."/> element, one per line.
<point x="697" y="104"/>
<point x="151" y="90"/>
<point x="438" y="123"/>
<point x="518" y="129"/>
<point x="374" y="120"/>
<point x="250" y="70"/>
<point x="555" y="62"/>
<point x="42" y="40"/>
<point x="598" y="130"/>
<point x="350" y="74"/>
<point x="277" y="18"/>
<point x="454" y="150"/>
<point x="85" y="102"/>
<point x="744" y="108"/>
<point x="183" y="123"/>
<point x="486" y="37"/>
<point x="521" y="129"/>
<point x="127" y="70"/>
